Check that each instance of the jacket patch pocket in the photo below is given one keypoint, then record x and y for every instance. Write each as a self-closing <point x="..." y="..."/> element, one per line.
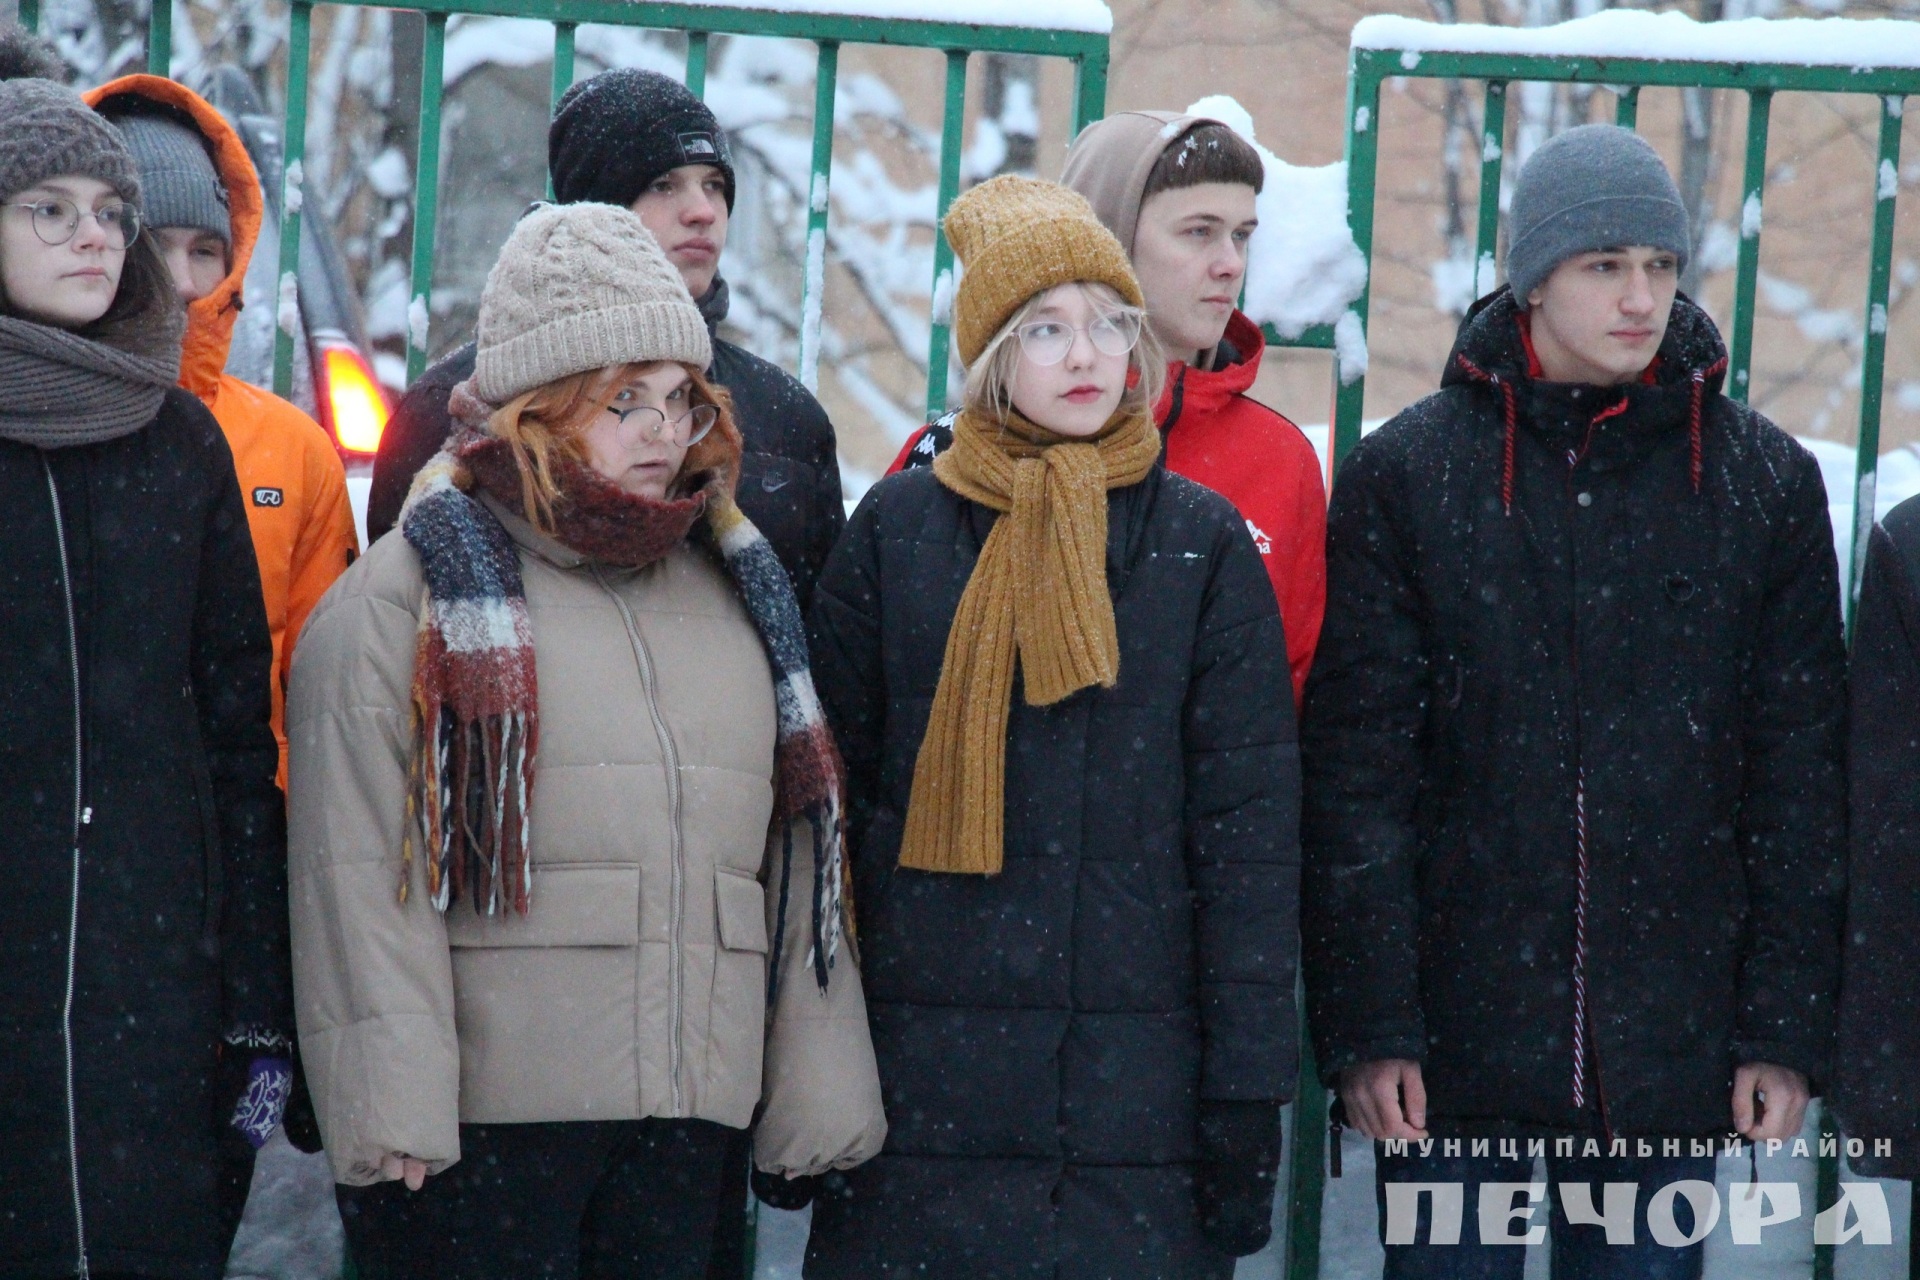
<point x="741" y="905"/>
<point x="571" y="906"/>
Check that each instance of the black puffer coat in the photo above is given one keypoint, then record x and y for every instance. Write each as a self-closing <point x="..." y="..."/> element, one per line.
<point x="1877" y="1062"/>
<point x="182" y="865"/>
<point x="1046" y="1035"/>
<point x="1638" y="649"/>
<point x="789" y="475"/>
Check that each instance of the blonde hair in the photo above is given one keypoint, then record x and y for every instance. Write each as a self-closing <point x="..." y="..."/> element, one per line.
<point x="553" y="419"/>
<point x="989" y="389"/>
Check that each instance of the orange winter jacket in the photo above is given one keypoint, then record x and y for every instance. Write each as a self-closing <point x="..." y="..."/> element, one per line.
<point x="291" y="478"/>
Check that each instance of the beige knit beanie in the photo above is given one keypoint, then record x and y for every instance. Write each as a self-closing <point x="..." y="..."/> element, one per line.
<point x="1020" y="236"/>
<point x="579" y="287"/>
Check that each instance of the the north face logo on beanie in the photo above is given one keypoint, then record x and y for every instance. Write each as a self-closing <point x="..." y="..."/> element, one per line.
<point x="701" y="147"/>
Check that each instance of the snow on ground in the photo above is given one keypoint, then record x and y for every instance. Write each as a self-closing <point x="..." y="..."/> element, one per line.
<point x="1622" y="33"/>
<point x="291" y="1230"/>
<point x="1303" y="267"/>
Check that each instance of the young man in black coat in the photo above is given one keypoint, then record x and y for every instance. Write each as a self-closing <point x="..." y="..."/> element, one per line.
<point x="1573" y="745"/>
<point x="1877" y="1060"/>
<point x="638" y="139"/>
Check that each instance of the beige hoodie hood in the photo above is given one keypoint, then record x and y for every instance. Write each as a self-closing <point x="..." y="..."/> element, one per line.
<point x="1110" y="161"/>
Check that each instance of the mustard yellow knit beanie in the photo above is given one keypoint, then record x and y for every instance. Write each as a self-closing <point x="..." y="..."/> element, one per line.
<point x="1017" y="237"/>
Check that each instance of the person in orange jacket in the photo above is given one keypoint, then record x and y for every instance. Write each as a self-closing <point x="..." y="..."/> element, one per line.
<point x="1178" y="191"/>
<point x="202" y="206"/>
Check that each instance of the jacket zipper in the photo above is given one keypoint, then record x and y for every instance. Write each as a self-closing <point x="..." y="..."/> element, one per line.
<point x="82" y="816"/>
<point x="675" y="979"/>
<point x="1586" y="1045"/>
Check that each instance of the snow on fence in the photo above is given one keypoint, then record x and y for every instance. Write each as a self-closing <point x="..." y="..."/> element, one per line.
<point x="1622" y="51"/>
<point x="1630" y="33"/>
<point x="1060" y="15"/>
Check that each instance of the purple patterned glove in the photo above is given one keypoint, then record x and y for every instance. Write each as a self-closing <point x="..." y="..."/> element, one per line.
<point x="257" y="1115"/>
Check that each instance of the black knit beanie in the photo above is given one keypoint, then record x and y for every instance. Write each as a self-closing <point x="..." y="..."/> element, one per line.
<point x="617" y="132"/>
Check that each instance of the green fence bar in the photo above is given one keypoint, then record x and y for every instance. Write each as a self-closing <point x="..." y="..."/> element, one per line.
<point x="697" y="63"/>
<point x="1493" y="145"/>
<point x="563" y="33"/>
<point x="1306" y="1185"/>
<point x="1873" y="358"/>
<point x="1089" y="87"/>
<point x="813" y="286"/>
<point x="1626" y="107"/>
<point x="1826" y="1187"/>
<point x="1363" y="152"/>
<point x="426" y="194"/>
<point x="293" y="141"/>
<point x="1747" y="273"/>
<point x="940" y="333"/>
<point x="160" y="38"/>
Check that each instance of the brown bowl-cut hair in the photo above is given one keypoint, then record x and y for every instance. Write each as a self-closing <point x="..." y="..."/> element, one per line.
<point x="551" y="421"/>
<point x="1209" y="152"/>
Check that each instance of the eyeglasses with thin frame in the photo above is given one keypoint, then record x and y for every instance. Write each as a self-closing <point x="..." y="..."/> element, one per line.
<point x="687" y="430"/>
<point x="56" y="220"/>
<point x="1047" y="342"/>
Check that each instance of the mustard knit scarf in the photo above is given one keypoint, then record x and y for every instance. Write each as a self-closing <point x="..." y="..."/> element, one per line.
<point x="1039" y="589"/>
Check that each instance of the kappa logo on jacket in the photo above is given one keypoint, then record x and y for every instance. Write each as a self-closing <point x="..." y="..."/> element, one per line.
<point x="1261" y="542"/>
<point x="268" y="497"/>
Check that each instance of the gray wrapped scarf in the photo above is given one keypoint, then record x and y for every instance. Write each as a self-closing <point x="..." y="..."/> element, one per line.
<point x="59" y="390"/>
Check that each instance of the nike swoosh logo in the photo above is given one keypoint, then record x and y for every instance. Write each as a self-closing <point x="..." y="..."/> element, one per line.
<point x="773" y="484"/>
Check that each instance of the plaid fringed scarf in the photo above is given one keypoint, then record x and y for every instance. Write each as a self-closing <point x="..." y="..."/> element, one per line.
<point x="809" y="777"/>
<point x="475" y="699"/>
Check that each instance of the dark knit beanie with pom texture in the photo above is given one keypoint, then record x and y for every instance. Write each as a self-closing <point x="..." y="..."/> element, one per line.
<point x="49" y="131"/>
<point x="617" y="132"/>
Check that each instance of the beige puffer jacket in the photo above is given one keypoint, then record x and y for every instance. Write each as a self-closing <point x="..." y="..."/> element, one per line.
<point x="636" y="984"/>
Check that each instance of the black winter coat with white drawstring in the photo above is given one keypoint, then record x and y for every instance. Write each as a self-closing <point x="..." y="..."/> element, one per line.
<point x="1575" y="812"/>
<point x="147" y="896"/>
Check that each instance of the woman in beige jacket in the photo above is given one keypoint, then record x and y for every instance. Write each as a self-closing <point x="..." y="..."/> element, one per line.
<point x="539" y="741"/>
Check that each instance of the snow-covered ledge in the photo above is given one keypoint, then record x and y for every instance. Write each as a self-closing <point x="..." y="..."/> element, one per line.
<point x="1304" y="268"/>
<point x="1055" y="15"/>
<point x="1854" y="43"/>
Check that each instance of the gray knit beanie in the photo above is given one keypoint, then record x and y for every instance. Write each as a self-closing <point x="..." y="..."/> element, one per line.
<point x="1595" y="187"/>
<point x="177" y="176"/>
<point x="579" y="287"/>
<point x="49" y="132"/>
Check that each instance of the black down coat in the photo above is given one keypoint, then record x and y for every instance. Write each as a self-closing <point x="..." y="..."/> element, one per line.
<point x="1045" y="1035"/>
<point x="1877" y="1062"/>
<point x="181" y="870"/>
<point x="1626" y="692"/>
<point x="789" y="475"/>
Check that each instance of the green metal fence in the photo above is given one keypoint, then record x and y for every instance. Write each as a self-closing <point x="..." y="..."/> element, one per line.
<point x="1368" y="69"/>
<point x="1086" y="50"/>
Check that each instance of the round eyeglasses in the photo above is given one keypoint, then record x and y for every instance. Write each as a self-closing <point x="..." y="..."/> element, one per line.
<point x="687" y="430"/>
<point x="56" y="220"/>
<point x="1047" y="342"/>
